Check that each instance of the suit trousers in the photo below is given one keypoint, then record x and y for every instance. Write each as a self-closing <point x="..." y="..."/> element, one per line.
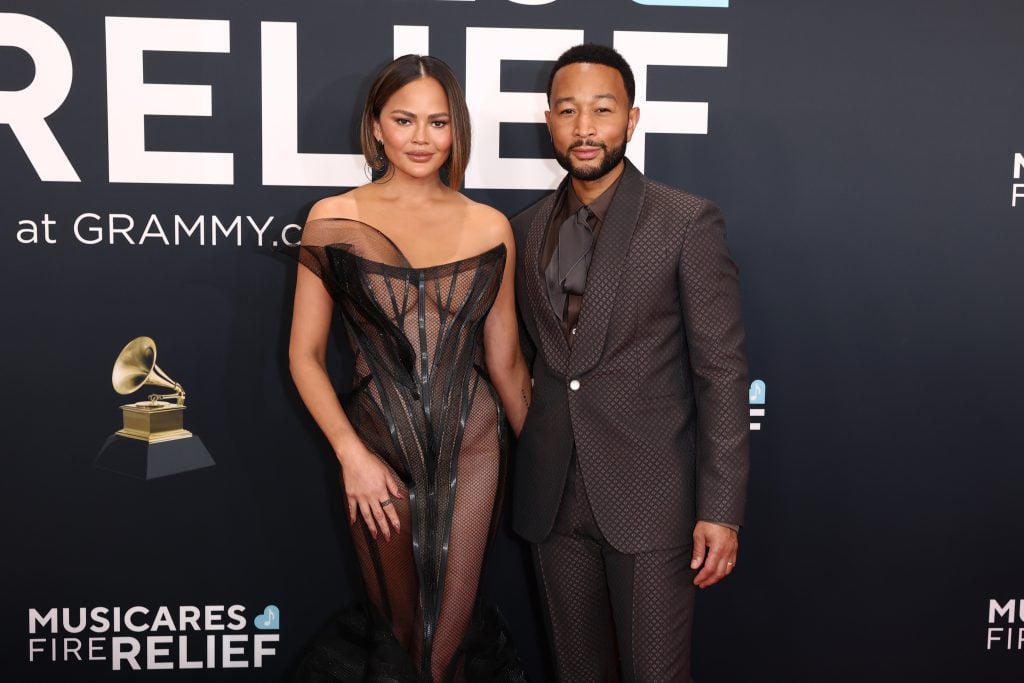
<point x="612" y="616"/>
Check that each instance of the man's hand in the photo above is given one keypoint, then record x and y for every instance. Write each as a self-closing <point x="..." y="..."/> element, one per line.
<point x="720" y="543"/>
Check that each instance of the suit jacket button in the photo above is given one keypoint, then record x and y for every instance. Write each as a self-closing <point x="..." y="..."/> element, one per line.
<point x="574" y="385"/>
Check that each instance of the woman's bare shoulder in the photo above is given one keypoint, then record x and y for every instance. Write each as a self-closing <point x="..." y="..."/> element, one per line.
<point x="491" y="224"/>
<point x="343" y="205"/>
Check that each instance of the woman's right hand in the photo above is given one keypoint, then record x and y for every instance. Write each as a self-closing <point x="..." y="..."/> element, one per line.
<point x="371" y="489"/>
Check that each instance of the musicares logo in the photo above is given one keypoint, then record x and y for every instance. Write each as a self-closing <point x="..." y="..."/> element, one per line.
<point x="186" y="636"/>
<point x="1005" y="637"/>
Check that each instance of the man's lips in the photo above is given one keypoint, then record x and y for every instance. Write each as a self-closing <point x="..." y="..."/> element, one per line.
<point x="585" y="152"/>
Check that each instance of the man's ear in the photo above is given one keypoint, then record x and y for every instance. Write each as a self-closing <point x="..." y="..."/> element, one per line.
<point x="634" y="118"/>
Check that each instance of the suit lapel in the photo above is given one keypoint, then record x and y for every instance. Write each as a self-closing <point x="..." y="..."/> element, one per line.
<point x="606" y="271"/>
<point x="555" y="348"/>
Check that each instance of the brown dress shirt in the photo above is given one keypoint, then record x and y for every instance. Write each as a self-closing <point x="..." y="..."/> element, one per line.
<point x="569" y="204"/>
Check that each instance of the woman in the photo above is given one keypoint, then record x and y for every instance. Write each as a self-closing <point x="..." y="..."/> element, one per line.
<point x="423" y="278"/>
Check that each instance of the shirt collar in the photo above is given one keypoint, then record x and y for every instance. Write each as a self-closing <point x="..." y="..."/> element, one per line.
<point x="599" y="207"/>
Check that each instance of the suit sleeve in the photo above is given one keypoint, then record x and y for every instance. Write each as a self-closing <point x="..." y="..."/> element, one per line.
<point x="520" y="224"/>
<point x="710" y="300"/>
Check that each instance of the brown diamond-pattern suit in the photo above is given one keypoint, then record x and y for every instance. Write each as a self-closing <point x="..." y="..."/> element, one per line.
<point x="651" y="397"/>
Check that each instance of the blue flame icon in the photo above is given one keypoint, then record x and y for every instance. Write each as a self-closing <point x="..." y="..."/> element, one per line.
<point x="757" y="388"/>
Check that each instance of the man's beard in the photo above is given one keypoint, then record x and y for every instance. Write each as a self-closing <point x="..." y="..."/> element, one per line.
<point x="609" y="160"/>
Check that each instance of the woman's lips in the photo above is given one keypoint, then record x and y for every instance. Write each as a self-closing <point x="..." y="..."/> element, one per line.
<point x="420" y="157"/>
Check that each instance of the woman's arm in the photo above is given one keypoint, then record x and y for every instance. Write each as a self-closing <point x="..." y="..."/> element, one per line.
<point x="368" y="481"/>
<point x="505" y="363"/>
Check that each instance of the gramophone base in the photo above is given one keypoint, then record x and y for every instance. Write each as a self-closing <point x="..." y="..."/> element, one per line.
<point x="144" y="460"/>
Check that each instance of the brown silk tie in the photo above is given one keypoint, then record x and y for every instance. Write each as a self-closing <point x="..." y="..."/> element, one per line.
<point x="566" y="273"/>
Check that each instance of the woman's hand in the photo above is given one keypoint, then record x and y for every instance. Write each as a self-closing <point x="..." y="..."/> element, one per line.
<point x="371" y="488"/>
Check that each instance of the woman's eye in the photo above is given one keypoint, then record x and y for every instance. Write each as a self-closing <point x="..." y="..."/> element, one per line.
<point x="403" y="122"/>
<point x="439" y="124"/>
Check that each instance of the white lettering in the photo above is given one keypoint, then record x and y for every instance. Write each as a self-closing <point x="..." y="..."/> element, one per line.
<point x="25" y="110"/>
<point x="188" y="615"/>
<point x="646" y="48"/>
<point x="154" y="229"/>
<point x="259" y="232"/>
<point x="218" y="227"/>
<point x="283" y="164"/>
<point x="82" y="620"/>
<point x="119" y="653"/>
<point x="237" y="612"/>
<point x="101" y="623"/>
<point x="993" y="636"/>
<point x="183" y="661"/>
<point x="97" y="231"/>
<point x="30" y="234"/>
<point x="1018" y="193"/>
<point x="130" y="100"/>
<point x="214" y="613"/>
<point x="260" y="650"/>
<point x="113" y="229"/>
<point x="287" y="230"/>
<point x="229" y="650"/>
<point x="1018" y="165"/>
<point x="72" y="647"/>
<point x="156" y="646"/>
<point x="411" y="40"/>
<point x="1008" y="610"/>
<point x="486" y="48"/>
<point x="163" y="618"/>
<point x="132" y="611"/>
<point x="181" y="227"/>
<point x="32" y="649"/>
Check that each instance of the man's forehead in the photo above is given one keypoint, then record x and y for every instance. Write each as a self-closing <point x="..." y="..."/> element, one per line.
<point x="598" y="78"/>
<point x="595" y="96"/>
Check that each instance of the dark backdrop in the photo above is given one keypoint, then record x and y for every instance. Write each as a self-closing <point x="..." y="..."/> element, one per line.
<point x="864" y="155"/>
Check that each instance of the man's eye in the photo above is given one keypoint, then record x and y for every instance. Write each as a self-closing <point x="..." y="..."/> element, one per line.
<point x="567" y="111"/>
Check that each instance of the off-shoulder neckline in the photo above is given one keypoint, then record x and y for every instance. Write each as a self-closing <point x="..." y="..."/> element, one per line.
<point x="500" y="246"/>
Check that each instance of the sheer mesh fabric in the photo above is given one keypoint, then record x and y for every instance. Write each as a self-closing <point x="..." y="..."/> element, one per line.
<point x="423" y="403"/>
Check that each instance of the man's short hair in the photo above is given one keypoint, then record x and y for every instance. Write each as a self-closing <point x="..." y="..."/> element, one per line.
<point x="592" y="53"/>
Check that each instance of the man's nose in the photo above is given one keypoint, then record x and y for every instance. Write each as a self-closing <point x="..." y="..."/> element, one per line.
<point x="584" y="126"/>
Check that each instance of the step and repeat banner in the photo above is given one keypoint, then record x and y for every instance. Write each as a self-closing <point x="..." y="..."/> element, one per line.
<point x="869" y="157"/>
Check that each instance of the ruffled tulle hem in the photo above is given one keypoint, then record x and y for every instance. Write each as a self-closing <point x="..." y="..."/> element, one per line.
<point x="356" y="647"/>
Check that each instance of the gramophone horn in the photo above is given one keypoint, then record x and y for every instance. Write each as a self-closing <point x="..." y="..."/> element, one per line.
<point x="136" y="367"/>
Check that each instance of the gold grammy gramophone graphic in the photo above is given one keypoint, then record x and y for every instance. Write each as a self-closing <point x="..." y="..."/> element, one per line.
<point x="153" y="441"/>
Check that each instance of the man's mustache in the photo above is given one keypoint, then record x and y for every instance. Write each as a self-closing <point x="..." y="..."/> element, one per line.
<point x="587" y="143"/>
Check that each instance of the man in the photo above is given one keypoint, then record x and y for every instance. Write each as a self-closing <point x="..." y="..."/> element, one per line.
<point x="632" y="465"/>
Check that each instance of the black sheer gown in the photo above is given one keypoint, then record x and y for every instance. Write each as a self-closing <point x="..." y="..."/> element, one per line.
<point x="423" y="403"/>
